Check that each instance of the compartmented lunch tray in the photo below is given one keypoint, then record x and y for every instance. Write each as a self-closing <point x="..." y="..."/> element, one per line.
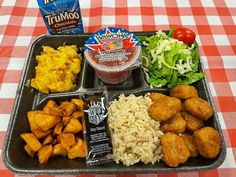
<point x="27" y="98"/>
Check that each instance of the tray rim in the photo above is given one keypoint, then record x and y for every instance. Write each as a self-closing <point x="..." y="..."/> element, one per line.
<point x="138" y="170"/>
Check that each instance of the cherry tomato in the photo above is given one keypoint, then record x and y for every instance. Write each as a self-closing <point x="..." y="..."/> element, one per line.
<point x="184" y="34"/>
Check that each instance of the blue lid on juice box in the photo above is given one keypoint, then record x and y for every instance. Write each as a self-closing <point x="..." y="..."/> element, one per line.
<point x="61" y="16"/>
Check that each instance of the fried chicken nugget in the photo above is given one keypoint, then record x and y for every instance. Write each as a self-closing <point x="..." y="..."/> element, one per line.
<point x="175" y="125"/>
<point x="208" y="142"/>
<point x="164" y="108"/>
<point x="190" y="143"/>
<point x="184" y="92"/>
<point x="192" y="123"/>
<point x="174" y="149"/>
<point x="198" y="108"/>
<point x="155" y="96"/>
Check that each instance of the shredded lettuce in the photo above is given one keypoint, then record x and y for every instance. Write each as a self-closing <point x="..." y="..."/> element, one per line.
<point x="168" y="62"/>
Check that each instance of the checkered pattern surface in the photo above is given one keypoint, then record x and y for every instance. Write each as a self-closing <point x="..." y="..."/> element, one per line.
<point x="214" y="22"/>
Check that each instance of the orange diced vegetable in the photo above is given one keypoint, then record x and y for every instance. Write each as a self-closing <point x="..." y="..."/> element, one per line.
<point x="74" y="126"/>
<point x="44" y="153"/>
<point x="78" y="150"/>
<point x="32" y="141"/>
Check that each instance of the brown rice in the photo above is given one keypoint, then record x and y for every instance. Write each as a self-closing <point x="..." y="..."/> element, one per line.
<point x="135" y="136"/>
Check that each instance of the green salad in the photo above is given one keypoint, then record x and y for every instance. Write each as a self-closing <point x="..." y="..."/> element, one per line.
<point x="168" y="62"/>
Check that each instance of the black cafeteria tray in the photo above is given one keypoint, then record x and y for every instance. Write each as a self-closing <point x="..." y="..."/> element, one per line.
<point x="18" y="161"/>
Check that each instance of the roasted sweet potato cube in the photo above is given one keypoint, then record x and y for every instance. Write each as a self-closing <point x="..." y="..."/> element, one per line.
<point x="53" y="111"/>
<point x="79" y="104"/>
<point x="48" y="139"/>
<point x="52" y="108"/>
<point x="67" y="140"/>
<point x="45" y="122"/>
<point x="32" y="141"/>
<point x="58" y="150"/>
<point x="29" y="150"/>
<point x="74" y="126"/>
<point x="78" y="115"/>
<point x="51" y="104"/>
<point x="66" y="120"/>
<point x="68" y="108"/>
<point x="44" y="153"/>
<point x="58" y="128"/>
<point x="78" y="150"/>
<point x="30" y="116"/>
<point x="40" y="133"/>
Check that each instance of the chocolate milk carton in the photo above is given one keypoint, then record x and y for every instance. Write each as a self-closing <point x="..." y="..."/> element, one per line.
<point x="61" y="16"/>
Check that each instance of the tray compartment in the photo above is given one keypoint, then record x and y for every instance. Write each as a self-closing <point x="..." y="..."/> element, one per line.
<point x="199" y="162"/>
<point x="22" y="160"/>
<point x="55" y="42"/>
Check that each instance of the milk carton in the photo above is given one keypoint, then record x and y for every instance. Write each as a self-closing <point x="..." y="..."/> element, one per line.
<point x="61" y="16"/>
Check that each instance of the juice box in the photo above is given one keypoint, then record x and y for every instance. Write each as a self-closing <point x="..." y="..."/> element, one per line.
<point x="61" y="16"/>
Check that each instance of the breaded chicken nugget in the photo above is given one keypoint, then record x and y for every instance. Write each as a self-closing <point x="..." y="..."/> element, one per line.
<point x="184" y="92"/>
<point x="174" y="150"/>
<point x="192" y="122"/>
<point x="189" y="141"/>
<point x="155" y="96"/>
<point x="175" y="125"/>
<point x="208" y="142"/>
<point x="198" y="108"/>
<point x="164" y="108"/>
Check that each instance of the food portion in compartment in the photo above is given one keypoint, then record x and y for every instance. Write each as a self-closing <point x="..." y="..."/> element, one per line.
<point x="198" y="108"/>
<point x="135" y="135"/>
<point x="113" y="53"/>
<point x="175" y="125"/>
<point x="184" y="92"/>
<point x="184" y="34"/>
<point x="192" y="123"/>
<point x="164" y="108"/>
<point x="168" y="62"/>
<point x="184" y="132"/>
<point x="208" y="142"/>
<point x="191" y="145"/>
<point x="57" y="69"/>
<point x="56" y="130"/>
<point x="156" y="126"/>
<point x="174" y="149"/>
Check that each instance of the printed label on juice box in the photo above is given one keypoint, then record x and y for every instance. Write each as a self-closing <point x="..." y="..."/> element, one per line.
<point x="61" y="16"/>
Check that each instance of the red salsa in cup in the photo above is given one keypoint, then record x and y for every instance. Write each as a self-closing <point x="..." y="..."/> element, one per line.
<point x="113" y="53"/>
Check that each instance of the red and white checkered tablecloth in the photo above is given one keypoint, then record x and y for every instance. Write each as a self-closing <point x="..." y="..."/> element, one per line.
<point x="214" y="22"/>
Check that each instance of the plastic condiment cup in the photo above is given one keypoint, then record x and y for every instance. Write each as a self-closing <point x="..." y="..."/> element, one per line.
<point x="113" y="53"/>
